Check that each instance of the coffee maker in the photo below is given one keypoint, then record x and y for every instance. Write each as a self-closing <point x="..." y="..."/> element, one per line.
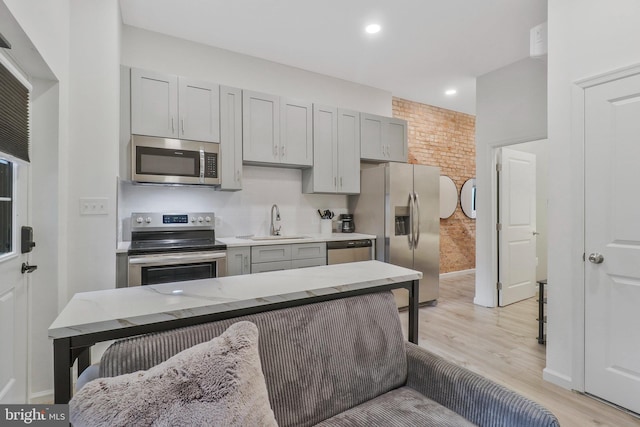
<point x="348" y="226"/>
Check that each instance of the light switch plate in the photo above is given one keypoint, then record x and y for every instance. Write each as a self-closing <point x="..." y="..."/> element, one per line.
<point x="94" y="206"/>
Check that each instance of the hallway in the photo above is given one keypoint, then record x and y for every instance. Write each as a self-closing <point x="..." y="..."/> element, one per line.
<point x="500" y="343"/>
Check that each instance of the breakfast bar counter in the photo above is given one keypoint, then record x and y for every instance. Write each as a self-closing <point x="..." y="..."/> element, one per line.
<point x="92" y="317"/>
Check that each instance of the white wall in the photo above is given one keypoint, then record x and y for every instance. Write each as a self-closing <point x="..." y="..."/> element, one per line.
<point x="79" y="40"/>
<point x="586" y="38"/>
<point x="154" y="51"/>
<point x="511" y="107"/>
<point x="241" y="212"/>
<point x="541" y="150"/>
<point x="246" y="211"/>
<point x="46" y="24"/>
<point x="94" y="106"/>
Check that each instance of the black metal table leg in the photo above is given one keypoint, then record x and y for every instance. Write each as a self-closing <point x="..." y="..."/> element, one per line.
<point x="61" y="370"/>
<point x="84" y="360"/>
<point x="413" y="311"/>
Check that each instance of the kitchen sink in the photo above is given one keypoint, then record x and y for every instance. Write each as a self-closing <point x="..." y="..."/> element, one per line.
<point x="278" y="237"/>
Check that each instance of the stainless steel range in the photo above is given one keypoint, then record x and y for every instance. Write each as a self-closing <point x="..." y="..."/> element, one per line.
<point x="174" y="247"/>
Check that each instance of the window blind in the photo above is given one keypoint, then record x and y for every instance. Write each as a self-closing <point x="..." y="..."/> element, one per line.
<point x="14" y="116"/>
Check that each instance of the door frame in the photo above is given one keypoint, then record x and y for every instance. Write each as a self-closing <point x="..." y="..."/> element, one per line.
<point x="578" y="267"/>
<point x="487" y="159"/>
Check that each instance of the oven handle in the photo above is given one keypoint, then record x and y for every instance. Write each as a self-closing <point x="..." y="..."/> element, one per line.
<point x="168" y="259"/>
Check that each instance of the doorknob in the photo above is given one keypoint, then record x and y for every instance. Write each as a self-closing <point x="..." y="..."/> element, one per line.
<point x="596" y="258"/>
<point x="535" y="233"/>
<point x="26" y="268"/>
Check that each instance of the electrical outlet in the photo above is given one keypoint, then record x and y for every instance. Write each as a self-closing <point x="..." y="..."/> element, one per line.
<point x="94" y="205"/>
<point x="218" y="221"/>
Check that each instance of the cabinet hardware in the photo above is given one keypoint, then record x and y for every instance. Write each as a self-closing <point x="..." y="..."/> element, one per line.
<point x="182" y="125"/>
<point x="172" y="127"/>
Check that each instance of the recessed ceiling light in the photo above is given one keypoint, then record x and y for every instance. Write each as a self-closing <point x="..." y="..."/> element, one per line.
<point x="373" y="28"/>
<point x="450" y="92"/>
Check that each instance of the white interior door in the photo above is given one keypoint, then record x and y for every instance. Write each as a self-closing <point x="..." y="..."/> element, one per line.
<point x="612" y="242"/>
<point x="517" y="230"/>
<point x="14" y="197"/>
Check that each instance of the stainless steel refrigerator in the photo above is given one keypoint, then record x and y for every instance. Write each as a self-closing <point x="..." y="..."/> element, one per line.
<point x="400" y="204"/>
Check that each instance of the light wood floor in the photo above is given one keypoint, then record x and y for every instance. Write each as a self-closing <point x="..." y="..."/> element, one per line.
<point x="500" y="344"/>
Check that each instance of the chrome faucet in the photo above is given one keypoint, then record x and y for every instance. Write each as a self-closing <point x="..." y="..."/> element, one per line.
<point x="275" y="231"/>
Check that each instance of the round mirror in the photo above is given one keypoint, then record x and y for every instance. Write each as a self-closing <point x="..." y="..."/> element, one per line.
<point x="448" y="197"/>
<point x="468" y="197"/>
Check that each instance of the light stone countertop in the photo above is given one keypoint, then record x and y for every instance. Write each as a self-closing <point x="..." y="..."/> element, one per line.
<point x="234" y="242"/>
<point x="114" y="309"/>
<point x="308" y="238"/>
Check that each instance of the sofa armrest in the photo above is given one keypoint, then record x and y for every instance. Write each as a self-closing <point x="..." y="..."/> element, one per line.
<point x="476" y="398"/>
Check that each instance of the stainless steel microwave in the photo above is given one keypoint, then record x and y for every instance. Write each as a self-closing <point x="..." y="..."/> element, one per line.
<point x="174" y="161"/>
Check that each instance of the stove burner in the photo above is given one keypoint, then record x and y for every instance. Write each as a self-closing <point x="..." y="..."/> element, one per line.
<point x="161" y="232"/>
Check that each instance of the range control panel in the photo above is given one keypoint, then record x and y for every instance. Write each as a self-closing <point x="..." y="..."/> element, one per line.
<point x="148" y="220"/>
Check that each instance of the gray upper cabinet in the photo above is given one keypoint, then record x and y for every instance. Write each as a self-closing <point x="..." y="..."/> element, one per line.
<point x="169" y="106"/>
<point x="276" y="130"/>
<point x="198" y="106"/>
<point x="296" y="122"/>
<point x="260" y="127"/>
<point x="383" y="138"/>
<point x="154" y="103"/>
<point x="231" y="138"/>
<point x="348" y="151"/>
<point x="336" y="146"/>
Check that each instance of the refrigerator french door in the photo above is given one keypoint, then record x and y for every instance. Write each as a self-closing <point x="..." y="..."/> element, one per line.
<point x="399" y="203"/>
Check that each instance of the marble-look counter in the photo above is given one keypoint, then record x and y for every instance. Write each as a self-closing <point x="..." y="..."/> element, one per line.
<point x="92" y="317"/>
<point x="308" y="238"/>
<point x="113" y="309"/>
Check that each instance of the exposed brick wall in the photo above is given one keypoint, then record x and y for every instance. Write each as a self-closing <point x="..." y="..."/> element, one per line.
<point x="445" y="138"/>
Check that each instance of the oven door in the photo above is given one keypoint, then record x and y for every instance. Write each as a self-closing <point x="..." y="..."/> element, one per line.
<point x="176" y="267"/>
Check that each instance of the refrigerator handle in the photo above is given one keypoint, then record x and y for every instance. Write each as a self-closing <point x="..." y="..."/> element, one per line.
<point x="411" y="219"/>
<point x="416" y="238"/>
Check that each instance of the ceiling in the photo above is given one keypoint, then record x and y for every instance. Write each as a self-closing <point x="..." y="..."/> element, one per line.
<point x="424" y="48"/>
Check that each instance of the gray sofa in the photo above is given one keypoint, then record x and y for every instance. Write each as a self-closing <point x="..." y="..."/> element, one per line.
<point x="346" y="363"/>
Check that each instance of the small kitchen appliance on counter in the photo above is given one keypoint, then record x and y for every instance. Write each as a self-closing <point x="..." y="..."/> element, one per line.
<point x="174" y="247"/>
<point x="348" y="226"/>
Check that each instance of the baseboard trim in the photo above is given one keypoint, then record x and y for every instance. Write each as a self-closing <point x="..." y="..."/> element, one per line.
<point x="41" y="397"/>
<point x="457" y="273"/>
<point x="557" y="378"/>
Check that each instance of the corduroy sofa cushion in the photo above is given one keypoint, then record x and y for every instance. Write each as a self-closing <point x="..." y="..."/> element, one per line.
<point x="318" y="360"/>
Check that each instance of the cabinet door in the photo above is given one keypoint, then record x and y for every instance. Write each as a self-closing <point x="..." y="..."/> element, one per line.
<point x="238" y="261"/>
<point x="260" y="127"/>
<point x="198" y="105"/>
<point x="271" y="266"/>
<point x="308" y="250"/>
<point x="270" y="253"/>
<point x="371" y="137"/>
<point x="154" y="103"/>
<point x="325" y="149"/>
<point x="296" y="144"/>
<point x="396" y="139"/>
<point x="231" y="138"/>
<point x="348" y="152"/>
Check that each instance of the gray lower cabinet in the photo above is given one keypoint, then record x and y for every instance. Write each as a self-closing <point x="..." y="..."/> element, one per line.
<point x="122" y="270"/>
<point x="238" y="261"/>
<point x="285" y="257"/>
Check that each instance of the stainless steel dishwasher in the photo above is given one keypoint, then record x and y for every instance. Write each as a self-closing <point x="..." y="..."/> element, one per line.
<point x="349" y="251"/>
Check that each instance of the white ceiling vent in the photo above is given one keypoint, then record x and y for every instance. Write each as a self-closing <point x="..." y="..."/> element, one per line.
<point x="538" y="41"/>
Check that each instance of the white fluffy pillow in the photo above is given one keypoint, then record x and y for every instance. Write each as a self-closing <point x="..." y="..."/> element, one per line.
<point x="219" y="382"/>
